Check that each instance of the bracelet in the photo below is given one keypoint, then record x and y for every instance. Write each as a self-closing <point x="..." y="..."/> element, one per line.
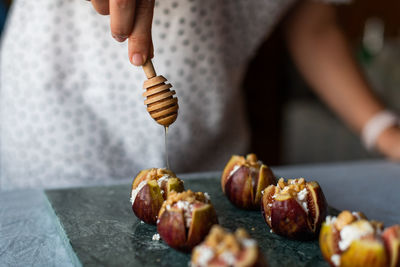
<point x="376" y="125"/>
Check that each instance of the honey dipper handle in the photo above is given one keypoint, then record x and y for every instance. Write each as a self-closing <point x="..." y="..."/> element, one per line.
<point x="149" y="69"/>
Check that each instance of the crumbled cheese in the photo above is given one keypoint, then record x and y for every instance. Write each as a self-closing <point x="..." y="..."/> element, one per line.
<point x="335" y="259"/>
<point x="205" y="254"/>
<point x="156" y="237"/>
<point x="136" y="191"/>
<point x="350" y="233"/>
<point x="235" y="168"/>
<point x="302" y="194"/>
<point x="330" y="220"/>
<point x="246" y="242"/>
<point x="207" y="196"/>
<point x="228" y="258"/>
<point x="162" y="180"/>
<point x="304" y="205"/>
<point x="187" y="211"/>
<point x="302" y="199"/>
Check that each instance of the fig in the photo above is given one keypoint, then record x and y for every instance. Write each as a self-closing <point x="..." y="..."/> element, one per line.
<point x="185" y="219"/>
<point x="243" y="180"/>
<point x="221" y="248"/>
<point x="294" y="209"/>
<point x="391" y="237"/>
<point x="149" y="190"/>
<point x="351" y="240"/>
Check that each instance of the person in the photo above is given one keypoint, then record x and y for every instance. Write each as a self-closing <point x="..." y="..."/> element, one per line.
<point x="71" y="106"/>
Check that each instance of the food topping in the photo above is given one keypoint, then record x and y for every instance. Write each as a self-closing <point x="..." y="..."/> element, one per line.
<point x="223" y="249"/>
<point x="187" y="201"/>
<point x="295" y="188"/>
<point x="162" y="182"/>
<point x="355" y="231"/>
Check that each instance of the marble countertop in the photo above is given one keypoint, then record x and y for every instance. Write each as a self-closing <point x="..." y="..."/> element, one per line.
<point x="30" y="233"/>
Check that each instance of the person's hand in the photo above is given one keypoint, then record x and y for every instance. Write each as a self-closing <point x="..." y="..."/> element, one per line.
<point x="130" y="19"/>
<point x="388" y="143"/>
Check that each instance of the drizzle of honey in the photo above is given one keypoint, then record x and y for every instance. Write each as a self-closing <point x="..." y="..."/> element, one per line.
<point x="166" y="147"/>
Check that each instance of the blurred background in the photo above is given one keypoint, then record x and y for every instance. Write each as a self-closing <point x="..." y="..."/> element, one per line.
<point x="4" y="4"/>
<point x="289" y="123"/>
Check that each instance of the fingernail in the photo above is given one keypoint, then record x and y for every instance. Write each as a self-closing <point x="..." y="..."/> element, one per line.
<point x="119" y="38"/>
<point x="137" y="59"/>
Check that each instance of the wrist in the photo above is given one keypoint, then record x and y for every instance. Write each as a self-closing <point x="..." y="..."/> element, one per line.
<point x="388" y="142"/>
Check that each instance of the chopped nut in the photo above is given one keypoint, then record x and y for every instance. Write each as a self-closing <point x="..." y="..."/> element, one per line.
<point x="228" y="250"/>
<point x="344" y="219"/>
<point x="291" y="187"/>
<point x="230" y="244"/>
<point x="187" y="196"/>
<point x="281" y="183"/>
<point x="241" y="233"/>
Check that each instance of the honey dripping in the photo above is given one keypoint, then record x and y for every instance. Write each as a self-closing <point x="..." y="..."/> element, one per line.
<point x="166" y="147"/>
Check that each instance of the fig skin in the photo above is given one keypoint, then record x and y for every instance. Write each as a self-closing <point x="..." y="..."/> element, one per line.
<point x="368" y="252"/>
<point x="150" y="197"/>
<point x="243" y="179"/>
<point x="148" y="203"/>
<point x="172" y="227"/>
<point x="289" y="219"/>
<point x="286" y="217"/>
<point x="391" y="237"/>
<point x="318" y="200"/>
<point x="328" y="242"/>
<point x="219" y="241"/>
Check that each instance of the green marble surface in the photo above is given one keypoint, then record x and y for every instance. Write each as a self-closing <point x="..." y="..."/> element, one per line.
<point x="103" y="231"/>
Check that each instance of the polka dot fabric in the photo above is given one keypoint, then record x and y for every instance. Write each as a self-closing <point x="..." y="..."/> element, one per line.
<point x="72" y="112"/>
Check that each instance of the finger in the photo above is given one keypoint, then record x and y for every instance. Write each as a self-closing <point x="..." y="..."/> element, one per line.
<point x="122" y="15"/>
<point x="140" y="40"/>
<point x="151" y="54"/>
<point x="101" y="6"/>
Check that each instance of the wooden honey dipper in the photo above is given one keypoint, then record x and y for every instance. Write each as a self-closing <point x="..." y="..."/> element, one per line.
<point x="160" y="100"/>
